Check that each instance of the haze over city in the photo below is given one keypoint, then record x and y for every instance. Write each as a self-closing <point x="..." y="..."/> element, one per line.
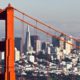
<point x="39" y="40"/>
<point x="64" y="14"/>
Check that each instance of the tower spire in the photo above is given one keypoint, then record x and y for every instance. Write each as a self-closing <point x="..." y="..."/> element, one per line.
<point x="27" y="40"/>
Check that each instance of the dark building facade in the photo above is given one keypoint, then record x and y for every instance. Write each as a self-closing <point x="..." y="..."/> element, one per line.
<point x="44" y="45"/>
<point x="18" y="43"/>
<point x="78" y="44"/>
<point x="55" y="42"/>
<point x="33" y="41"/>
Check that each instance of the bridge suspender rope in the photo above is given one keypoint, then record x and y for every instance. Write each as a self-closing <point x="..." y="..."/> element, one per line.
<point x="22" y="35"/>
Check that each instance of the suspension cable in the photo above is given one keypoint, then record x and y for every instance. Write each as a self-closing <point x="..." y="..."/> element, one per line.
<point x="46" y="25"/>
<point x="45" y="32"/>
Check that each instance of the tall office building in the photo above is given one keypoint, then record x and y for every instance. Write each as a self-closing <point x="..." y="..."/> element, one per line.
<point x="38" y="45"/>
<point x="62" y="41"/>
<point x="34" y="39"/>
<point x="55" y="42"/>
<point x="18" y="43"/>
<point x="27" y="45"/>
<point x="43" y="47"/>
<point x="59" y="42"/>
<point x="78" y="44"/>
<point x="69" y="47"/>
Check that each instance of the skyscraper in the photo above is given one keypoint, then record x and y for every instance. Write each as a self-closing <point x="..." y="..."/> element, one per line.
<point x="59" y="42"/>
<point x="45" y="45"/>
<point x="33" y="41"/>
<point x="38" y="45"/>
<point x="18" y="43"/>
<point x="55" y="42"/>
<point x="69" y="47"/>
<point x="62" y="41"/>
<point x="27" y="45"/>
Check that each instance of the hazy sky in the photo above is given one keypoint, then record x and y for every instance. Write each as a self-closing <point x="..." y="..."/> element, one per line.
<point x="65" y="14"/>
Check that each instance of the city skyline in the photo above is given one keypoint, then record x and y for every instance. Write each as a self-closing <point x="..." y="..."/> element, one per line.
<point x="40" y="51"/>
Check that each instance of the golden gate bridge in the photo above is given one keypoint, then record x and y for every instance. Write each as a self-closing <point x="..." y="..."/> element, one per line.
<point x="8" y="16"/>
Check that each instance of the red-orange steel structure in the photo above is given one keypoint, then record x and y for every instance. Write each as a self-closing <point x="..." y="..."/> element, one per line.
<point x="8" y="16"/>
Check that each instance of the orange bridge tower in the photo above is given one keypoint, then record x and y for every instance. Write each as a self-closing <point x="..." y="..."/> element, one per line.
<point x="8" y="16"/>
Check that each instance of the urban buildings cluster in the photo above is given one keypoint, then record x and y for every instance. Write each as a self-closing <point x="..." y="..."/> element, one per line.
<point x="46" y="57"/>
